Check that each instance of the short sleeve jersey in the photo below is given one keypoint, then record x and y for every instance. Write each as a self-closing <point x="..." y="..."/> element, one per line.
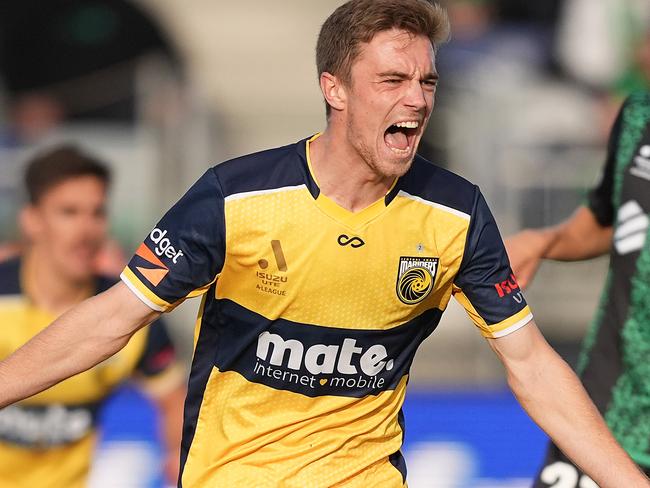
<point x="614" y="363"/>
<point x="48" y="439"/>
<point x="311" y="314"/>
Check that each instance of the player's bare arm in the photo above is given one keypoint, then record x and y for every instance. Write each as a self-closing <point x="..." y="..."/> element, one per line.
<point x="78" y="340"/>
<point x="579" y="237"/>
<point x="555" y="399"/>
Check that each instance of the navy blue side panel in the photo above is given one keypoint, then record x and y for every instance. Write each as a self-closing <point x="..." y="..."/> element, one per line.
<point x="485" y="276"/>
<point x="266" y="170"/>
<point x="202" y="365"/>
<point x="188" y="243"/>
<point x="10" y="277"/>
<point x="314" y="360"/>
<point x="159" y="352"/>
<point x="397" y="459"/>
<point x="435" y="184"/>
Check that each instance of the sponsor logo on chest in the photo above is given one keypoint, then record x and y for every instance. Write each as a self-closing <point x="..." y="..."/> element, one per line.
<point x="346" y="364"/>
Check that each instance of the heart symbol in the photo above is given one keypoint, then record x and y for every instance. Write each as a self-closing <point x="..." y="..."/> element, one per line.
<point x="323" y="382"/>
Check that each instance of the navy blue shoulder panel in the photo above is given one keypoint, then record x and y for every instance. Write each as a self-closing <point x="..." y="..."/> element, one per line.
<point x="436" y="184"/>
<point x="10" y="277"/>
<point x="265" y="170"/>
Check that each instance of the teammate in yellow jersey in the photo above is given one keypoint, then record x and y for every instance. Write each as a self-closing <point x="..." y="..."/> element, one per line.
<point x="322" y="265"/>
<point x="48" y="439"/>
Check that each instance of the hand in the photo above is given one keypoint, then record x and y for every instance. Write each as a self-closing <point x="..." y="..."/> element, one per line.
<point x="526" y="250"/>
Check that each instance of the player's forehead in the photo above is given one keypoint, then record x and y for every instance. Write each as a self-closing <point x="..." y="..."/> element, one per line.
<point x="397" y="50"/>
<point x="79" y="190"/>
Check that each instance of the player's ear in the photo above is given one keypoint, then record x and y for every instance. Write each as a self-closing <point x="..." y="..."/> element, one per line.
<point x="29" y="222"/>
<point x="333" y="90"/>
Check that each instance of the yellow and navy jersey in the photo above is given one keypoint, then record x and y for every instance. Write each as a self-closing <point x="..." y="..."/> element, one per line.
<point x="48" y="439"/>
<point x="311" y="315"/>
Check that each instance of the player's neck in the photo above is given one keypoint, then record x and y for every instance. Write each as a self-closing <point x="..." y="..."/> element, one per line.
<point x="342" y="174"/>
<point x="48" y="288"/>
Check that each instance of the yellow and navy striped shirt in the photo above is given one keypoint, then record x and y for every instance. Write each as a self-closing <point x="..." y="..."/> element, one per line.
<point x="311" y="314"/>
<point x="48" y="439"/>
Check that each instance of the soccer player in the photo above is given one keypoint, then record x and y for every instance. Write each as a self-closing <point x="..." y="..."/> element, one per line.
<point x="322" y="266"/>
<point x="615" y="360"/>
<point x="48" y="439"/>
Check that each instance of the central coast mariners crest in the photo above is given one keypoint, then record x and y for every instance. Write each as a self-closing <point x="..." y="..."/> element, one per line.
<point x="415" y="278"/>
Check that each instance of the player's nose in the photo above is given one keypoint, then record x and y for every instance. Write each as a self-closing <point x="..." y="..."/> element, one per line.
<point x="415" y="96"/>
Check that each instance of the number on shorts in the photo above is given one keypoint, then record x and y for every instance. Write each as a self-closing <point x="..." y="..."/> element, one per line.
<point x="564" y="475"/>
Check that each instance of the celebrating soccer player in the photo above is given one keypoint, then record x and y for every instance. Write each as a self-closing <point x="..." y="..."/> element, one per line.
<point x="322" y="266"/>
<point x="48" y="439"/>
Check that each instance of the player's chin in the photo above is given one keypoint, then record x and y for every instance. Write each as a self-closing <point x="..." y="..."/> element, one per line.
<point x="79" y="268"/>
<point x="396" y="167"/>
<point x="79" y="275"/>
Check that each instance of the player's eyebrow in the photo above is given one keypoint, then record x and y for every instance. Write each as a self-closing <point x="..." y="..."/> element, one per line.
<point x="430" y="76"/>
<point x="393" y="74"/>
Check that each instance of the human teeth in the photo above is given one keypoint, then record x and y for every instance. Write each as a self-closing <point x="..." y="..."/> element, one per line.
<point x="401" y="152"/>
<point x="408" y="125"/>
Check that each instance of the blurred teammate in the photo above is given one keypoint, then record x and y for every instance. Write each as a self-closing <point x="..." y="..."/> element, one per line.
<point x="48" y="439"/>
<point x="615" y="361"/>
<point x="323" y="265"/>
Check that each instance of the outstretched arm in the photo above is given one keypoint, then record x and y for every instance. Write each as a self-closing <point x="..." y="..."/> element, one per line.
<point x="78" y="340"/>
<point x="553" y="396"/>
<point x="579" y="237"/>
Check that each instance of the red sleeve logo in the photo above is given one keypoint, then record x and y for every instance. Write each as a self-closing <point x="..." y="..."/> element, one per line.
<point x="507" y="287"/>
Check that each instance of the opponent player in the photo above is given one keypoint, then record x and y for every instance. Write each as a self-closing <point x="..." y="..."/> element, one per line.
<point x="48" y="440"/>
<point x="615" y="361"/>
<point x="323" y="265"/>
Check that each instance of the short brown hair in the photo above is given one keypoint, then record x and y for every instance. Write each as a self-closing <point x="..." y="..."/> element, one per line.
<point x="358" y="21"/>
<point x="60" y="164"/>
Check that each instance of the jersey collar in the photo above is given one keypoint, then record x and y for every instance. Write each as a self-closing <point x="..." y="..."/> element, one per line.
<point x="330" y="207"/>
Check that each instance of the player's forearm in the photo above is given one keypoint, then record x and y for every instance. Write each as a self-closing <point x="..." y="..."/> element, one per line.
<point x="75" y="342"/>
<point x="68" y="346"/>
<point x="579" y="237"/>
<point x="555" y="399"/>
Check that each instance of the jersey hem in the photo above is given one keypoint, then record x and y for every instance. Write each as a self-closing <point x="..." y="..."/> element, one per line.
<point x="138" y="289"/>
<point x="516" y="326"/>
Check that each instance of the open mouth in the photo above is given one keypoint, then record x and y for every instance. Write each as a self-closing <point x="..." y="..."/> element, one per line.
<point x="400" y="136"/>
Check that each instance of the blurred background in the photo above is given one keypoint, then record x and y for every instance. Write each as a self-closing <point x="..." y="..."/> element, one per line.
<point x="163" y="89"/>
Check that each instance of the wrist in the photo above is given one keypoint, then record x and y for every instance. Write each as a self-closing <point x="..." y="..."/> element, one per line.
<point x="540" y="241"/>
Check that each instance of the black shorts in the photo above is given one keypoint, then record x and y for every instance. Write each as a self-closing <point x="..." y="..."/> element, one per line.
<point x="558" y="472"/>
